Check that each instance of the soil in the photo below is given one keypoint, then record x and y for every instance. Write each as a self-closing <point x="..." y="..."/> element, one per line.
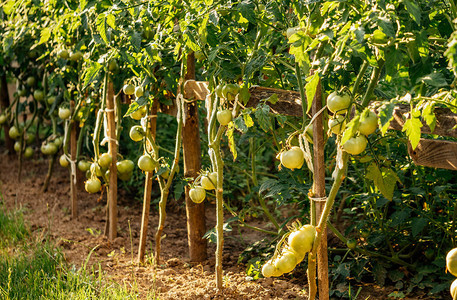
<point x="48" y="215"/>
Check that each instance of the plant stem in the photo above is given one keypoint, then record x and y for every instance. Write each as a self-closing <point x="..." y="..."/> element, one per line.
<point x="359" y="78"/>
<point x="373" y="82"/>
<point x="302" y="93"/>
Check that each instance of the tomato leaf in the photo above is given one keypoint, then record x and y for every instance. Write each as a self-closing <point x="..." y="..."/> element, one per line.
<point x="417" y="225"/>
<point x="299" y="44"/>
<point x="262" y="115"/>
<point x="231" y="140"/>
<point x="384" y="179"/>
<point x="101" y="27"/>
<point x="414" y="10"/>
<point x="45" y="35"/>
<point x="412" y="127"/>
<point x="385" y="114"/>
<point x="248" y="120"/>
<point x="91" y="73"/>
<point x="428" y="114"/>
<point x="244" y="95"/>
<point x="310" y="89"/>
<point x="351" y="129"/>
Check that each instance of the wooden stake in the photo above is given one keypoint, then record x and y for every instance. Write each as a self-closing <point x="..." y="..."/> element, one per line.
<point x="147" y="191"/>
<point x="112" y="150"/>
<point x="73" y="147"/>
<point x="196" y="223"/>
<point x="319" y="192"/>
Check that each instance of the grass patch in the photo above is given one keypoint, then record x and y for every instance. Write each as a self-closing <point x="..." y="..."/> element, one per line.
<point x="32" y="269"/>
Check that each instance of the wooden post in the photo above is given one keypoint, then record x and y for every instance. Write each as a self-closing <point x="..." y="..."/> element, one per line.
<point x="112" y="150"/>
<point x="73" y="147"/>
<point x="147" y="189"/>
<point x="196" y="223"/>
<point x="319" y="192"/>
<point x="4" y="103"/>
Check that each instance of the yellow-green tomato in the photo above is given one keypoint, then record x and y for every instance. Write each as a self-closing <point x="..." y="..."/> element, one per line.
<point x="146" y="163"/>
<point x="58" y="141"/>
<point x="93" y="185"/>
<point x="125" y="176"/>
<point x="136" y="133"/>
<point x="286" y="262"/>
<point x="454" y="289"/>
<point x="64" y="113"/>
<point x="269" y="269"/>
<point x="351" y="244"/>
<point x="338" y="104"/>
<point x="17" y="146"/>
<point x="139" y="113"/>
<point x="301" y="241"/>
<point x="125" y="166"/>
<point x="197" y="194"/>
<point x="139" y="91"/>
<point x="369" y="123"/>
<point x="29" y="138"/>
<point x="38" y="95"/>
<point x="209" y="182"/>
<point x="63" y="161"/>
<point x="224" y="117"/>
<point x="129" y="89"/>
<point x="451" y="261"/>
<point x="293" y="158"/>
<point x="28" y="153"/>
<point x="3" y="119"/>
<point x="355" y="145"/>
<point x="105" y="160"/>
<point x="30" y="81"/>
<point x="76" y="55"/>
<point x="337" y="124"/>
<point x="112" y="65"/>
<point x="63" y="54"/>
<point x="13" y="132"/>
<point x="83" y="165"/>
<point x="51" y="100"/>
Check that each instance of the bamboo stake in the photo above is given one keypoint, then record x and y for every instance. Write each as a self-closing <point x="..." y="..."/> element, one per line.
<point x="112" y="150"/>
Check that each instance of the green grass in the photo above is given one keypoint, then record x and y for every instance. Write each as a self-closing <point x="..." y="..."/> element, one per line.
<point x="31" y="269"/>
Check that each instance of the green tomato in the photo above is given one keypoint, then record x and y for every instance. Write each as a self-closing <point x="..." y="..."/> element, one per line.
<point x="139" y="91"/>
<point x="301" y="240"/>
<point x="93" y="185"/>
<point x="112" y="65"/>
<point x="83" y="165"/>
<point x="451" y="261"/>
<point x="139" y="113"/>
<point x="28" y="153"/>
<point x="136" y="133"/>
<point x="351" y="244"/>
<point x="197" y="194"/>
<point x="38" y="95"/>
<point x="17" y="146"/>
<point x="64" y="113"/>
<point x="229" y="91"/>
<point x="337" y="124"/>
<point x="269" y="270"/>
<point x="51" y="100"/>
<point x="224" y="117"/>
<point x="14" y="132"/>
<point x="355" y="145"/>
<point x="129" y="89"/>
<point x="64" y="161"/>
<point x="368" y="123"/>
<point x="209" y="182"/>
<point x="146" y="163"/>
<point x="95" y="169"/>
<point x="338" y="104"/>
<point x="218" y="91"/>
<point x="125" y="176"/>
<point x="63" y="54"/>
<point x="293" y="158"/>
<point x="30" y="81"/>
<point x="125" y="166"/>
<point x="454" y="289"/>
<point x="58" y="141"/>
<point x="22" y="92"/>
<point x="286" y="262"/>
<point x="3" y="119"/>
<point x="105" y="160"/>
<point x="76" y="55"/>
<point x="379" y="37"/>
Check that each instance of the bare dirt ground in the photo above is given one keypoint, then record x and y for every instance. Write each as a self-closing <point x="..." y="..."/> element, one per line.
<point x="48" y="214"/>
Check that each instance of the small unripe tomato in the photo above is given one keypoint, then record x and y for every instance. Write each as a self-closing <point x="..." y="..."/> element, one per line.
<point x="125" y="166"/>
<point x="139" y="113"/>
<point x="64" y="113"/>
<point x="105" y="160"/>
<point x="95" y="169"/>
<point x="286" y="262"/>
<point x="51" y="100"/>
<point x="368" y="124"/>
<point x="136" y="133"/>
<point x="209" y="182"/>
<point x="454" y="289"/>
<point x="337" y="124"/>
<point x="338" y="104"/>
<point x="83" y="165"/>
<point x="28" y="153"/>
<point x="293" y="158"/>
<point x="197" y="194"/>
<point x="139" y="91"/>
<point x="93" y="185"/>
<point x="13" y="132"/>
<point x="30" y="81"/>
<point x="269" y="269"/>
<point x="3" y="119"/>
<point x="146" y="163"/>
<point x="63" y="161"/>
<point x="63" y="54"/>
<point x="38" y="95"/>
<point x="112" y="65"/>
<point x="129" y="89"/>
<point x="301" y="241"/>
<point x="58" y="141"/>
<point x="355" y="145"/>
<point x="224" y="117"/>
<point x="17" y="146"/>
<point x="351" y="244"/>
<point x="76" y="55"/>
<point x="451" y="261"/>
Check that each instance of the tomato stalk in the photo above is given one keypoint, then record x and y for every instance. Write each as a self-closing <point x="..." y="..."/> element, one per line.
<point x="373" y="82"/>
